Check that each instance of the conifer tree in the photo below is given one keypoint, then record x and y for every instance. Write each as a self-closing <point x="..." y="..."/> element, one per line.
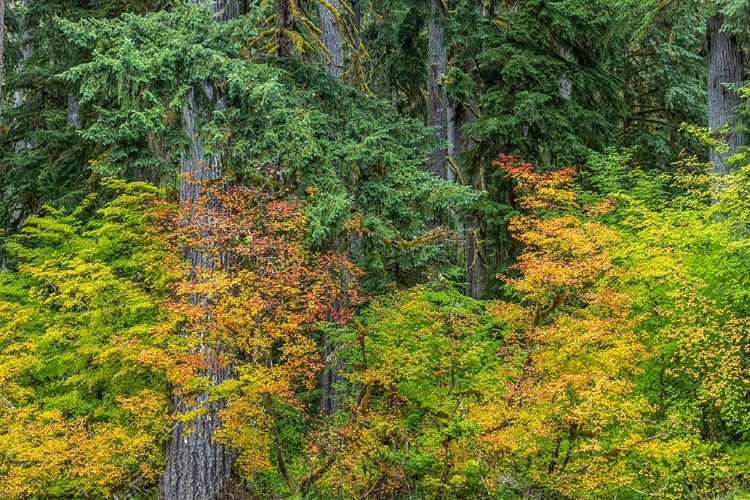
<point x="2" y="44"/>
<point x="199" y="466"/>
<point x="439" y="112"/>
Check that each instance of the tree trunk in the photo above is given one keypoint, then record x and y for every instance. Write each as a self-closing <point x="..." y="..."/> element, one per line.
<point x="474" y="260"/>
<point x="2" y="45"/>
<point x="333" y="367"/>
<point x="17" y="216"/>
<point x="226" y="10"/>
<point x="284" y="24"/>
<point x="437" y="112"/>
<point x="566" y="86"/>
<point x="356" y="21"/>
<point x="74" y="108"/>
<point x="330" y="375"/>
<point x="198" y="467"/>
<point x="724" y="67"/>
<point x="476" y="257"/>
<point x="20" y="95"/>
<point x="331" y="38"/>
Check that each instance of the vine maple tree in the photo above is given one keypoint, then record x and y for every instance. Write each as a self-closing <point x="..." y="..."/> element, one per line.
<point x="572" y="348"/>
<point x="102" y="313"/>
<point x="519" y="398"/>
<point x="265" y="298"/>
<point x="81" y="416"/>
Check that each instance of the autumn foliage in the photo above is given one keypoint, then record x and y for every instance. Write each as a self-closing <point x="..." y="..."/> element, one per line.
<point x="613" y="366"/>
<point x="573" y="345"/>
<point x="255" y="303"/>
<point x="114" y="311"/>
<point x="459" y="398"/>
<point x="81" y="417"/>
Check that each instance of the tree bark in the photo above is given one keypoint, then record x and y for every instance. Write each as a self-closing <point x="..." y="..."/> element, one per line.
<point x="476" y="256"/>
<point x="437" y="111"/>
<point x="331" y="38"/>
<point x="198" y="467"/>
<point x="356" y="20"/>
<point x="330" y="375"/>
<point x="566" y="86"/>
<point x="17" y="215"/>
<point x="74" y="107"/>
<point x="474" y="260"/>
<point x="226" y="10"/>
<point x="20" y="94"/>
<point x="724" y="67"/>
<point x="2" y="45"/>
<point x="284" y="24"/>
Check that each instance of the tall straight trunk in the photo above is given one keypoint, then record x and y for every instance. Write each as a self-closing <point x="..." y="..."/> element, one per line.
<point x="17" y="216"/>
<point x="357" y="76"/>
<point x="476" y="260"/>
<point x="330" y="375"/>
<point x="20" y="94"/>
<point x="437" y="111"/>
<point x="476" y="256"/>
<point x="724" y="67"/>
<point x="566" y="86"/>
<point x="2" y="45"/>
<point x="284" y="25"/>
<point x="331" y="38"/>
<point x="198" y="467"/>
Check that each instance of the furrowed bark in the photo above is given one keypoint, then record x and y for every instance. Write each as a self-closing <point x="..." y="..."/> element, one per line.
<point x="724" y="67"/>
<point x="284" y="25"/>
<point x="74" y="108"/>
<point x="20" y="94"/>
<point x="226" y="10"/>
<point x="330" y="375"/>
<point x="198" y="467"/>
<point x="476" y="257"/>
<point x="331" y="38"/>
<point x="2" y="44"/>
<point x="437" y="113"/>
<point x="17" y="216"/>
<point x="356" y="20"/>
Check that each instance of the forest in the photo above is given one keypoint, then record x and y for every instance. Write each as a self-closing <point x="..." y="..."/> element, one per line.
<point x="374" y="249"/>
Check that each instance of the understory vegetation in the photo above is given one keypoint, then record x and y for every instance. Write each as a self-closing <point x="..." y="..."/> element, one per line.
<point x="387" y="249"/>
